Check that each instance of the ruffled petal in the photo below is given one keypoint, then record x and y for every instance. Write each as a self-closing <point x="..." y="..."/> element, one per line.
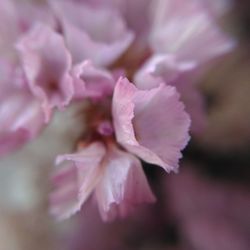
<point x="92" y="82"/>
<point x="123" y="185"/>
<point x="150" y="123"/>
<point x="74" y="182"/>
<point x="88" y="34"/>
<point x="188" y="30"/>
<point x="46" y="63"/>
<point x="166" y="68"/>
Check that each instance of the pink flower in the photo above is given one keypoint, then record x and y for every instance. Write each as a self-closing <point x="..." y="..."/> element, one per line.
<point x="65" y="60"/>
<point x="184" y="36"/>
<point x="98" y="34"/>
<point x="188" y="30"/>
<point x="150" y="124"/>
<point x="116" y="178"/>
<point x="21" y="117"/>
<point x="129" y="10"/>
<point x="47" y="63"/>
<point x="155" y="140"/>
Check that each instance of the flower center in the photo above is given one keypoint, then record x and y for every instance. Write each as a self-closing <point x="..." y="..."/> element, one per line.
<point x="99" y="126"/>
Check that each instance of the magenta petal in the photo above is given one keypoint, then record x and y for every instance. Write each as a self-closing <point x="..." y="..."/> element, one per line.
<point x="91" y="81"/>
<point x="74" y="183"/>
<point x="123" y="185"/>
<point x="88" y="32"/>
<point x="46" y="63"/>
<point x="150" y="123"/>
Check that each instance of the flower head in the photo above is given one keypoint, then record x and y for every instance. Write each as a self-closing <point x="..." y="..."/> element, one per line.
<point x="91" y="53"/>
<point x="150" y="124"/>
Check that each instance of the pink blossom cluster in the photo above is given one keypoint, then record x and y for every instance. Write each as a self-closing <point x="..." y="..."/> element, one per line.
<point x="131" y="64"/>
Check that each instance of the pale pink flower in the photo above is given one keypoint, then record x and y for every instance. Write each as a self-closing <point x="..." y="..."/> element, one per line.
<point x="188" y="30"/>
<point x="184" y="37"/>
<point x="172" y="24"/>
<point x="129" y="9"/>
<point x="21" y="117"/>
<point x="98" y="34"/>
<point x="47" y="64"/>
<point x="116" y="178"/>
<point x="151" y="123"/>
<point x="123" y="124"/>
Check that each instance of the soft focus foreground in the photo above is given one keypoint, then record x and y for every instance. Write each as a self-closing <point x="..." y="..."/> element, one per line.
<point x="124" y="125"/>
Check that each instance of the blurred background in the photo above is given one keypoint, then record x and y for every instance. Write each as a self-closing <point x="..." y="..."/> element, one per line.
<point x="206" y="206"/>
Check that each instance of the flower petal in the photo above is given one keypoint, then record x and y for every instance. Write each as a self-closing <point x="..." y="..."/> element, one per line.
<point x="46" y="63"/>
<point x="188" y="30"/>
<point x="88" y="32"/>
<point x="150" y="123"/>
<point x="122" y="186"/>
<point x="182" y="75"/>
<point x="91" y="81"/>
<point x="74" y="183"/>
<point x="164" y="66"/>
